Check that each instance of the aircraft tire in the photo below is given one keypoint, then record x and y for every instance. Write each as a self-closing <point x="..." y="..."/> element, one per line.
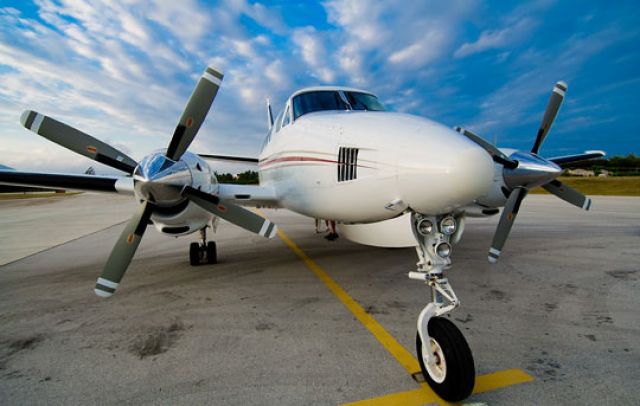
<point x="212" y="253"/>
<point x="453" y="376"/>
<point x="194" y="254"/>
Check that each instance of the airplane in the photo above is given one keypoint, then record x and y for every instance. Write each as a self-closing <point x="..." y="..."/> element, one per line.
<point x="388" y="179"/>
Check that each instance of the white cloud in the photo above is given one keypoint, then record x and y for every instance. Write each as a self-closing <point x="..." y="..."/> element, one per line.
<point x="314" y="53"/>
<point x="380" y="39"/>
<point x="423" y="51"/>
<point x="185" y="19"/>
<point x="497" y="39"/>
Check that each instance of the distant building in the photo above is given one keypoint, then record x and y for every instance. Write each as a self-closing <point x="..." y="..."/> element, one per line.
<point x="604" y="173"/>
<point x="581" y="172"/>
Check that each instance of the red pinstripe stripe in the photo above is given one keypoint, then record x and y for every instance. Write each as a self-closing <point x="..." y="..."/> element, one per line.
<point x="300" y="159"/>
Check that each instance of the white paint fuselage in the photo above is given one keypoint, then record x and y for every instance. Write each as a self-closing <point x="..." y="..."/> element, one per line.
<point x="404" y="161"/>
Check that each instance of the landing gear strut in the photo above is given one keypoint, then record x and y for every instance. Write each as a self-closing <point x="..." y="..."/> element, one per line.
<point x="205" y="250"/>
<point x="445" y="358"/>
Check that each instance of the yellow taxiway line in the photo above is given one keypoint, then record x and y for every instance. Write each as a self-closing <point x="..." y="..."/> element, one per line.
<point x="484" y="383"/>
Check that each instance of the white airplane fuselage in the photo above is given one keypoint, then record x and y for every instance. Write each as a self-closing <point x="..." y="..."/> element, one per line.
<point x="402" y="161"/>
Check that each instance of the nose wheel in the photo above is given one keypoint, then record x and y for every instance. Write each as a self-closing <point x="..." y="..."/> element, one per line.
<point x="446" y="360"/>
<point x="204" y="251"/>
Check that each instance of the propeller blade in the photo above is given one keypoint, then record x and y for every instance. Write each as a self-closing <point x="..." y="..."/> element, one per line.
<point x="568" y="194"/>
<point x="123" y="252"/>
<point x="76" y="141"/>
<point x="509" y="214"/>
<point x="195" y="112"/>
<point x="557" y="95"/>
<point x="497" y="155"/>
<point x="93" y="183"/>
<point x="232" y="213"/>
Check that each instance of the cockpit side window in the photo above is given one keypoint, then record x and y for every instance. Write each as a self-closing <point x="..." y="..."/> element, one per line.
<point x="364" y="101"/>
<point x="273" y="129"/>
<point x="317" y="101"/>
<point x="287" y="117"/>
<point x="279" y="121"/>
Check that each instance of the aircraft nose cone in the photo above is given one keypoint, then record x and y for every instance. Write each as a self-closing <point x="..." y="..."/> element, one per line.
<point x="446" y="175"/>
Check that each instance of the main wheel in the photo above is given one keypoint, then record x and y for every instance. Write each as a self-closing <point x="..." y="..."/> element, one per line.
<point x="453" y="374"/>
<point x="194" y="254"/>
<point x="212" y="254"/>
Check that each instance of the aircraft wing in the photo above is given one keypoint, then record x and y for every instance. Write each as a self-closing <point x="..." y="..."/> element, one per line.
<point x="228" y="158"/>
<point x="563" y="161"/>
<point x="89" y="183"/>
<point x="249" y="195"/>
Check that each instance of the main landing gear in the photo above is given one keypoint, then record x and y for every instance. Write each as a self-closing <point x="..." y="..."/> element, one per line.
<point x="205" y="250"/>
<point x="444" y="355"/>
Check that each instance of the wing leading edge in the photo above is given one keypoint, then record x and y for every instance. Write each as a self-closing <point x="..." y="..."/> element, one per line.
<point x="249" y="195"/>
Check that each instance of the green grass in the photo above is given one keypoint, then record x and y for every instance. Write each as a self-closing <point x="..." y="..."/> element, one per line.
<point x="612" y="185"/>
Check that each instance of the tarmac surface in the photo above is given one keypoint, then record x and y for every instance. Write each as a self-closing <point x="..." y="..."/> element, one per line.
<point x="261" y="327"/>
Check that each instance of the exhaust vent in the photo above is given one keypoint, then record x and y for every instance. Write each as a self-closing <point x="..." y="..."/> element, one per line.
<point x="347" y="164"/>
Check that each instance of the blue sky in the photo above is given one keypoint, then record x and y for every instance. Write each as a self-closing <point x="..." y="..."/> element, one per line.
<point x="123" y="70"/>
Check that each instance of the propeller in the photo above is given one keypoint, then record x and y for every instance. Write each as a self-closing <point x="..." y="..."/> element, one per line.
<point x="523" y="171"/>
<point x="509" y="213"/>
<point x="568" y="194"/>
<point x="77" y="141"/>
<point x="497" y="155"/>
<point x="195" y="112"/>
<point x="232" y="213"/>
<point x="123" y="252"/>
<point x="557" y="96"/>
<point x="160" y="181"/>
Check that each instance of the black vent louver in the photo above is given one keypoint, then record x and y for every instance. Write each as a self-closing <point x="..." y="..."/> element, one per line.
<point x="347" y="164"/>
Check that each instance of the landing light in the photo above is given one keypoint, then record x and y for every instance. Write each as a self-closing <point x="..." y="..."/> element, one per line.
<point x="425" y="227"/>
<point x="448" y="225"/>
<point x="443" y="250"/>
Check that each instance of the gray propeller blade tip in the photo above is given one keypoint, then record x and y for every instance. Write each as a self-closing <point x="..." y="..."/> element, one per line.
<point x="213" y="75"/>
<point x="587" y="204"/>
<point x="494" y="254"/>
<point x="24" y="116"/>
<point x="268" y="229"/>
<point x="31" y="120"/>
<point x="102" y="293"/>
<point x="560" y="87"/>
<point x="216" y="69"/>
<point x="105" y="287"/>
<point x="273" y="232"/>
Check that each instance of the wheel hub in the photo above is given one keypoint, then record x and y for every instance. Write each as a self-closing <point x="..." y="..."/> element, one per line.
<point x="438" y="368"/>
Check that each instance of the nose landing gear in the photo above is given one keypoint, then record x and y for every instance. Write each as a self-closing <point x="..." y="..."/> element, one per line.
<point x="445" y="357"/>
<point x="201" y="251"/>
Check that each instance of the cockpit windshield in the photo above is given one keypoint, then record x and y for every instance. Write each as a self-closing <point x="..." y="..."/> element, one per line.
<point x="322" y="100"/>
<point x="363" y="101"/>
<point x="317" y="101"/>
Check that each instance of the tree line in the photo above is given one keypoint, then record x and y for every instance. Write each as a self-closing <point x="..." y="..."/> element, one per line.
<point x="244" y="178"/>
<point x="616" y="165"/>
